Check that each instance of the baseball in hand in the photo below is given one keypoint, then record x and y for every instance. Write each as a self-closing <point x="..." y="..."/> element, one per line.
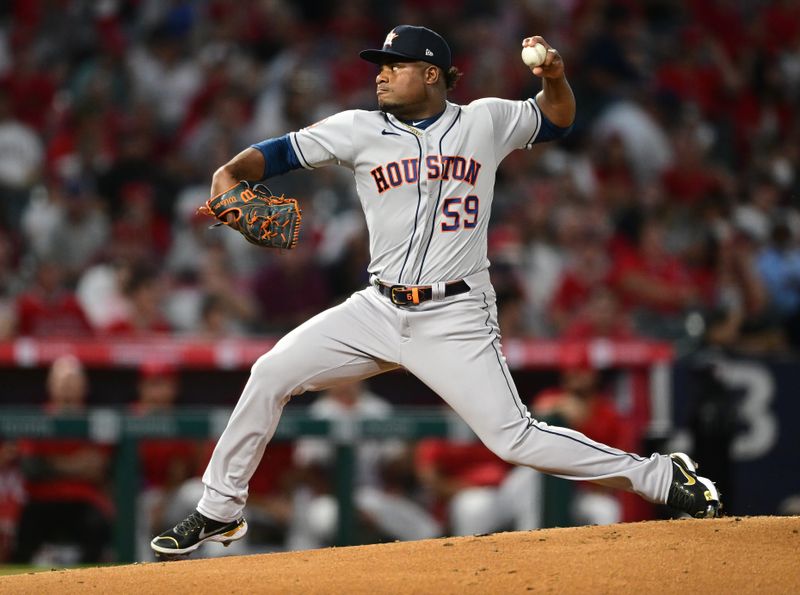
<point x="534" y="55"/>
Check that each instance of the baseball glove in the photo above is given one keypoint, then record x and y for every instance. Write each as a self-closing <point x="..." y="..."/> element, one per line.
<point x="261" y="217"/>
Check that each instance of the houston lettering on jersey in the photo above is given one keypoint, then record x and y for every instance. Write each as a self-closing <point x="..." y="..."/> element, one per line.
<point x="438" y="167"/>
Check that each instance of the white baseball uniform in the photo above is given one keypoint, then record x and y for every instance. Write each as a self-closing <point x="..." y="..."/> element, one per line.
<point x="427" y="196"/>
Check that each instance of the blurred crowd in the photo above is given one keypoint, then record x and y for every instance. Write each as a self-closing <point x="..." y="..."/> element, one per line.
<point x="671" y="211"/>
<point x="58" y="498"/>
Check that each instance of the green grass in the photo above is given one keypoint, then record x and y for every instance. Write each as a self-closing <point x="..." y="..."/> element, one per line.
<point x="7" y="569"/>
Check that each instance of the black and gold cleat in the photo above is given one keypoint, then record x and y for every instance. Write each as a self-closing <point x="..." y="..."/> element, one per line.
<point x="696" y="496"/>
<point x="194" y="531"/>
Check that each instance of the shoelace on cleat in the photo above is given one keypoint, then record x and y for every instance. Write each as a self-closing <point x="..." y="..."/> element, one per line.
<point x="683" y="499"/>
<point x="189" y="524"/>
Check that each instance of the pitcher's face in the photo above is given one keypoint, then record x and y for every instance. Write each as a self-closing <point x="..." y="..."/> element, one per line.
<point x="401" y="87"/>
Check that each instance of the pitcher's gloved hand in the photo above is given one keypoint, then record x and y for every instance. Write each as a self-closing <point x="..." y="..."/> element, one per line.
<point x="261" y="217"/>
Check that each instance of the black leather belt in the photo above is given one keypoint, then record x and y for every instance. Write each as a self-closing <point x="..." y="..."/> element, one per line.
<point x="404" y="295"/>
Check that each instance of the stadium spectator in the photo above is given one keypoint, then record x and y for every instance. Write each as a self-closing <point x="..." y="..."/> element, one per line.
<point x="600" y="317"/>
<point x="505" y="252"/>
<point x="143" y="315"/>
<point x="630" y="144"/>
<point x="165" y="464"/>
<point x="210" y="280"/>
<point x="67" y="226"/>
<point x="473" y="492"/>
<point x="65" y="481"/>
<point x="552" y="228"/>
<point x="12" y="497"/>
<point x="32" y="83"/>
<point x="779" y="266"/>
<point x="345" y="246"/>
<point x="100" y="291"/>
<point x="756" y="216"/>
<point x="49" y="308"/>
<point x="139" y="227"/>
<point x="740" y="318"/>
<point x="219" y="132"/>
<point x="216" y="321"/>
<point x="9" y="284"/>
<point x="304" y="288"/>
<point x="21" y="160"/>
<point x="691" y="177"/>
<point x="653" y="283"/>
<point x="588" y="268"/>
<point x="616" y="185"/>
<point x="580" y="403"/>
<point x="162" y="72"/>
<point x="702" y="75"/>
<point x="384" y="508"/>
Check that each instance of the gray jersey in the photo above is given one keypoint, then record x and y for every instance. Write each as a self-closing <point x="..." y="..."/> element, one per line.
<point x="427" y="194"/>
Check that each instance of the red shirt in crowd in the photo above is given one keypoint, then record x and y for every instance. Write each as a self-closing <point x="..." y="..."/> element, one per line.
<point x="272" y="472"/>
<point x="52" y="487"/>
<point x="666" y="272"/>
<point x="161" y="462"/>
<point x="128" y="328"/>
<point x="469" y="463"/>
<point x="689" y="186"/>
<point x="601" y="421"/>
<point x="572" y="292"/>
<point x="56" y="315"/>
<point x="584" y="327"/>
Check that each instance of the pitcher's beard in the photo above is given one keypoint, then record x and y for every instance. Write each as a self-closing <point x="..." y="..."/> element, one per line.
<point x="410" y="109"/>
<point x="400" y="111"/>
<point x="388" y="106"/>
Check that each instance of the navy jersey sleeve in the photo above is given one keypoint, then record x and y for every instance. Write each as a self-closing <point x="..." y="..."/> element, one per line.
<point x="549" y="131"/>
<point x="279" y="156"/>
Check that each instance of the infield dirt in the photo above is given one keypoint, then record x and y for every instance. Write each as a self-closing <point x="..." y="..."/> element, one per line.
<point x="729" y="555"/>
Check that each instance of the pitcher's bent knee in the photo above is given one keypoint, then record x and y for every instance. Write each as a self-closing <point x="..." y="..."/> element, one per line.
<point x="272" y="376"/>
<point x="262" y="367"/>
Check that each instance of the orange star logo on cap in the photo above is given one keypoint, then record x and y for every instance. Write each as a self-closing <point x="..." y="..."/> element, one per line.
<point x="390" y="38"/>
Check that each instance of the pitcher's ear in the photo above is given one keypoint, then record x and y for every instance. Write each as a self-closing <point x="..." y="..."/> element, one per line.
<point x="432" y="74"/>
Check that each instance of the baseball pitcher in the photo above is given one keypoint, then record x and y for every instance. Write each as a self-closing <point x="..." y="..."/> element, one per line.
<point x="424" y="169"/>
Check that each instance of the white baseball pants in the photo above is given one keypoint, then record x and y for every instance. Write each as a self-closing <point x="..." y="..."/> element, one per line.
<point x="450" y="344"/>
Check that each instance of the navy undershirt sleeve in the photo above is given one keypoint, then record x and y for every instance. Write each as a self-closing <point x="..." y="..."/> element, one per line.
<point x="279" y="156"/>
<point x="549" y="131"/>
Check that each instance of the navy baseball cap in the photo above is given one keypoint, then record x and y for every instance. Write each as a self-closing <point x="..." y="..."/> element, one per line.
<point x="409" y="42"/>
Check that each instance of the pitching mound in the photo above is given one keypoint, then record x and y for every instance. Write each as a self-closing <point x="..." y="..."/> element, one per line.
<point x="729" y="555"/>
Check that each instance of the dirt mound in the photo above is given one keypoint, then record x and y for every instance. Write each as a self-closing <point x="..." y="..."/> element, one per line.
<point x="731" y="555"/>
